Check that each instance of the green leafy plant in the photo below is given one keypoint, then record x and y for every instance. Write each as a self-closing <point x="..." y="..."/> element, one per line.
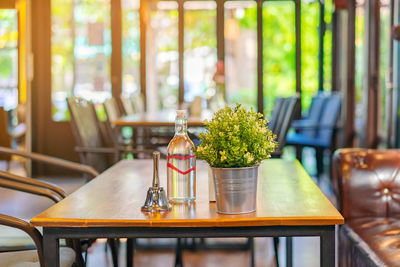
<point x="236" y="137"/>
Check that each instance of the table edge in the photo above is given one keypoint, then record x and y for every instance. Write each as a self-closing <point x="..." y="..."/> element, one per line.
<point x="289" y="221"/>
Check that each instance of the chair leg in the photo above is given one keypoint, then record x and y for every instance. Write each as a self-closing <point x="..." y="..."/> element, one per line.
<point x="299" y="153"/>
<point x="79" y="259"/>
<point x="319" y="155"/>
<point x="276" y="246"/>
<point x="113" y="243"/>
<point x="178" y="253"/>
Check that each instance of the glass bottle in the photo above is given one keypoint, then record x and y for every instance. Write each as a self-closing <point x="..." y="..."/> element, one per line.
<point x="181" y="163"/>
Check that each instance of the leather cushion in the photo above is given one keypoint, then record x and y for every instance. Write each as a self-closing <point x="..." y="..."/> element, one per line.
<point x="378" y="238"/>
<point x="368" y="182"/>
<point x="29" y="258"/>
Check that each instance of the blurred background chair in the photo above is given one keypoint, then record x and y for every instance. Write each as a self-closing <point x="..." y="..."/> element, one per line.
<point x="319" y="135"/>
<point x="281" y="119"/>
<point x="95" y="148"/>
<point x="127" y="106"/>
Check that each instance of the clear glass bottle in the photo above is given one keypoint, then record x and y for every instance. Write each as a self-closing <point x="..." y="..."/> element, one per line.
<point x="181" y="163"/>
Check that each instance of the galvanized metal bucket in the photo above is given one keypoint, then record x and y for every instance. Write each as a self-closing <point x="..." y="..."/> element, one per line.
<point x="235" y="189"/>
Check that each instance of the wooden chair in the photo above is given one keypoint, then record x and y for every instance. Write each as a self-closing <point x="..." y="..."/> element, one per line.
<point x="88" y="171"/>
<point x="127" y="105"/>
<point x="138" y="104"/>
<point x="34" y="257"/>
<point x="92" y="145"/>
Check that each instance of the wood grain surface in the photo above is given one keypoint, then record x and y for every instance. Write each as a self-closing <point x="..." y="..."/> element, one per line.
<point x="286" y="196"/>
<point x="161" y="118"/>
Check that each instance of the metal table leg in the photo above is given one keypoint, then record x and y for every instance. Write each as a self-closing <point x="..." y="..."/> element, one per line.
<point x="129" y="252"/>
<point x="327" y="243"/>
<point x="51" y="249"/>
<point x="289" y="251"/>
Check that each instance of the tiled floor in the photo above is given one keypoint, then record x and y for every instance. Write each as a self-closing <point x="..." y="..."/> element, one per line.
<point x="306" y="250"/>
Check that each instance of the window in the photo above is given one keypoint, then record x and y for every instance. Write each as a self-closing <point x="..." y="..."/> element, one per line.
<point x="309" y="48"/>
<point x="200" y="47"/>
<point x="279" y="52"/>
<point x="241" y="52"/>
<point x="360" y="63"/>
<point x="8" y="59"/>
<point x="384" y="66"/>
<point x="162" y="56"/>
<point x="81" y="49"/>
<point x="130" y="47"/>
<point x="179" y="57"/>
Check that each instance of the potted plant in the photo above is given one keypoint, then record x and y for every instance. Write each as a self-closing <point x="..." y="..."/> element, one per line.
<point x="235" y="142"/>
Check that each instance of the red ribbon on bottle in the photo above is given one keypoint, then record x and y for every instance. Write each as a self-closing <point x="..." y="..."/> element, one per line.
<point x="169" y="165"/>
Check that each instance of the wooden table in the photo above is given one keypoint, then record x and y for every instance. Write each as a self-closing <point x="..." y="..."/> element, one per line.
<point x="288" y="204"/>
<point x="160" y="119"/>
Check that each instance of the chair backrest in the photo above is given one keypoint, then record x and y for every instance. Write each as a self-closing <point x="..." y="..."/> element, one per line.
<point x="112" y="109"/>
<point x="275" y="113"/>
<point x="317" y="105"/>
<point x="314" y="114"/>
<point x="87" y="132"/>
<point x="127" y="106"/>
<point x="285" y="120"/>
<point x="329" y="118"/>
<point x="138" y="103"/>
<point x="366" y="182"/>
<point x="5" y="138"/>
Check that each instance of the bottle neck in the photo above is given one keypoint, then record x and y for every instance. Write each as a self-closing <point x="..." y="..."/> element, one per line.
<point x="180" y="126"/>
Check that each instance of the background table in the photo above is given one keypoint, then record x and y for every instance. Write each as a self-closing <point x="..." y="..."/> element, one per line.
<point x="160" y="118"/>
<point x="288" y="204"/>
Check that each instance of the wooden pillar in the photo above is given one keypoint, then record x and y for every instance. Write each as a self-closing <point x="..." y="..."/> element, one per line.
<point x="350" y="98"/>
<point x="371" y="82"/>
<point x="116" y="41"/>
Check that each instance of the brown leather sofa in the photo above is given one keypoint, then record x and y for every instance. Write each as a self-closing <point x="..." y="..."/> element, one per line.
<point x="367" y="183"/>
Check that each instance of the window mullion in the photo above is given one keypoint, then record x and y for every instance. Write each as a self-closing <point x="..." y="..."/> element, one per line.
<point x="260" y="98"/>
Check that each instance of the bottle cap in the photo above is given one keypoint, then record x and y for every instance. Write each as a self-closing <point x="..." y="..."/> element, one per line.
<point x="181" y="114"/>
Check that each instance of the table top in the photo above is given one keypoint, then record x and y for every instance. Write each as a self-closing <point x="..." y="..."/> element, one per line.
<point x="161" y="118"/>
<point x="286" y="196"/>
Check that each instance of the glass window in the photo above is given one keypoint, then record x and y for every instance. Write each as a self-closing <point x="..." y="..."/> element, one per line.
<point x="8" y="59"/>
<point x="279" y="52"/>
<point x="309" y="50"/>
<point x="384" y="65"/>
<point x="329" y="8"/>
<point x="162" y="55"/>
<point x="241" y="52"/>
<point x="360" y="63"/>
<point x="81" y="49"/>
<point x="200" y="47"/>
<point x="130" y="47"/>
